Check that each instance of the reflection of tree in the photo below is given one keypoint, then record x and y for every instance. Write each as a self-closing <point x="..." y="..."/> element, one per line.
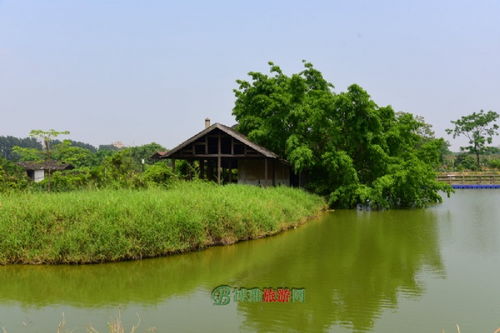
<point x="351" y="264"/>
<point x="352" y="268"/>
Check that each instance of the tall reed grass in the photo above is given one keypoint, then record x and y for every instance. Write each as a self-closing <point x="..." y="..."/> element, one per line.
<point x="113" y="225"/>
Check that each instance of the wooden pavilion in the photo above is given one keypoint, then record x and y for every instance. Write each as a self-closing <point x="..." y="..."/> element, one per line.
<point x="227" y="156"/>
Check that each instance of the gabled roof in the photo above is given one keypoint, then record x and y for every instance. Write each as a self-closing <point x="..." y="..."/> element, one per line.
<point x="45" y="165"/>
<point x="229" y="131"/>
<point x="159" y="154"/>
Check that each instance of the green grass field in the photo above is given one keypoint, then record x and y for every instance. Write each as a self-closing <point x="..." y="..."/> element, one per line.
<point x="113" y="225"/>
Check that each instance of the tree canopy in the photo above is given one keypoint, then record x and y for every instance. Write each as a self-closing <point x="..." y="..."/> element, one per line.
<point x="343" y="144"/>
<point x="47" y="137"/>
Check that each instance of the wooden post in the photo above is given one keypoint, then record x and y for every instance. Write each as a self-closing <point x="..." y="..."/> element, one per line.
<point x="210" y="170"/>
<point x="232" y="146"/>
<point x="274" y="172"/>
<point x="218" y="169"/>
<point x="202" y="169"/>
<point x="173" y="164"/>
<point x="265" y="172"/>
<point x="191" y="169"/>
<point x="218" y="159"/>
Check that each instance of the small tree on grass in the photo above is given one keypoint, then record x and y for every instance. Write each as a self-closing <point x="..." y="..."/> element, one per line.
<point x="479" y="128"/>
<point x="47" y="137"/>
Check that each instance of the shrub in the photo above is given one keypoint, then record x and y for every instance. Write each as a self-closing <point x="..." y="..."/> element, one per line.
<point x="494" y="163"/>
<point x="465" y="162"/>
<point x="12" y="176"/>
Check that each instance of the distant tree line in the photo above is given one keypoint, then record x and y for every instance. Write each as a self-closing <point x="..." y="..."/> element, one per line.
<point x="9" y="142"/>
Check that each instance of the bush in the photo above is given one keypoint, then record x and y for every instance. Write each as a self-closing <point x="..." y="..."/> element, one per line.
<point x="68" y="180"/>
<point x="158" y="174"/>
<point x="465" y="162"/>
<point x="408" y="184"/>
<point x="12" y="176"/>
<point x="494" y="163"/>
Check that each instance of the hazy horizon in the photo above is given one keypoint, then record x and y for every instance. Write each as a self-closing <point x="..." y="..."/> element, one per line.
<point x="141" y="72"/>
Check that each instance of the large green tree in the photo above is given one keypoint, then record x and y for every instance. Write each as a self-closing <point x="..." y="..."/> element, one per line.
<point x="345" y="145"/>
<point x="479" y="128"/>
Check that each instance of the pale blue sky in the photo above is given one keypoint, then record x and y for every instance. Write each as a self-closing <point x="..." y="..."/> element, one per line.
<point x="143" y="71"/>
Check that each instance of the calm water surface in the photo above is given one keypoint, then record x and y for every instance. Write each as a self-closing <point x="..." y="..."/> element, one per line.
<point x="393" y="271"/>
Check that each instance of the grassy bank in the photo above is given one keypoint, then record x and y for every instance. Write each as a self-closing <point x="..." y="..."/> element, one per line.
<point x="112" y="225"/>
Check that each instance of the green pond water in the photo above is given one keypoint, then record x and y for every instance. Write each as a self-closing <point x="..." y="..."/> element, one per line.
<point x="391" y="271"/>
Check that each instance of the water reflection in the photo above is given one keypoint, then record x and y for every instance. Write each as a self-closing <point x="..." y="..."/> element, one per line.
<point x="353" y="265"/>
<point x="146" y="282"/>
